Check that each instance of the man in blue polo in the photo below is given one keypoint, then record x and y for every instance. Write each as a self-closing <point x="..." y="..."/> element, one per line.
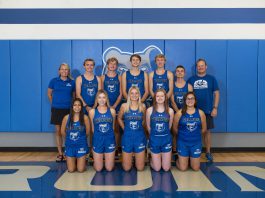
<point x="207" y="93"/>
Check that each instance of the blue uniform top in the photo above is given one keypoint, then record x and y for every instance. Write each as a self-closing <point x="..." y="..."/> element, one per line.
<point x="62" y="92"/>
<point x="160" y="81"/>
<point x="75" y="134"/>
<point x="89" y="89"/>
<point x="203" y="88"/>
<point x="133" y="121"/>
<point x="179" y="94"/>
<point x="103" y="123"/>
<point x="160" y="123"/>
<point x="189" y="129"/>
<point x="112" y="87"/>
<point x="137" y="81"/>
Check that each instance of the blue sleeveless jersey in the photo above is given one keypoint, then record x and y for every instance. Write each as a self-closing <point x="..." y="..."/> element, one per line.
<point x="89" y="89"/>
<point x="160" y="81"/>
<point x="112" y="87"/>
<point x="75" y="134"/>
<point x="137" y="81"/>
<point x="189" y="129"/>
<point x="133" y="121"/>
<point x="159" y="123"/>
<point x="103" y="123"/>
<point x="179" y="94"/>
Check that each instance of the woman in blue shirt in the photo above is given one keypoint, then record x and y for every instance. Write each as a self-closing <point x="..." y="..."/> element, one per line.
<point x="60" y="93"/>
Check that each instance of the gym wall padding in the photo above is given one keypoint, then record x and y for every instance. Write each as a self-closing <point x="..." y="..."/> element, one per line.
<point x="5" y="86"/>
<point x="27" y="66"/>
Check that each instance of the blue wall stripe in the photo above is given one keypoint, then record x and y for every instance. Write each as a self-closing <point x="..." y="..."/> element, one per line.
<point x="25" y="86"/>
<point x="261" y="87"/>
<point x="242" y="86"/>
<point x="5" y="85"/>
<point x="128" y="16"/>
<point x="214" y="52"/>
<point x="53" y="53"/>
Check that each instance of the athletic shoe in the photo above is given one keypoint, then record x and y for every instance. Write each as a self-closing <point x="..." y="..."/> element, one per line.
<point x="209" y="157"/>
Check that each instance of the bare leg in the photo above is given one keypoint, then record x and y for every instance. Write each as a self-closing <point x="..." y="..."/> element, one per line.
<point x="156" y="161"/>
<point x="182" y="163"/>
<point x="195" y="163"/>
<point x="81" y="164"/>
<point x="71" y="164"/>
<point x="207" y="141"/>
<point x="98" y="161"/>
<point x="140" y="160"/>
<point x="109" y="160"/>
<point x="126" y="161"/>
<point x="59" y="139"/>
<point x="166" y="161"/>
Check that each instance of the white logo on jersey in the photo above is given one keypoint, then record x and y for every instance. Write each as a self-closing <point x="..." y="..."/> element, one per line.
<point x="192" y="126"/>
<point x="200" y="84"/>
<point x="136" y="85"/>
<point x="68" y="85"/>
<point x="180" y="99"/>
<point x="74" y="136"/>
<point x="91" y="91"/>
<point x="111" y="88"/>
<point x="160" y="127"/>
<point x="159" y="85"/>
<point x="134" y="125"/>
<point x="103" y="128"/>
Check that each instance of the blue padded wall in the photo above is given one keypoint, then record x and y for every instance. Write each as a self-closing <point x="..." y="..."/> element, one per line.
<point x="83" y="49"/>
<point x="5" y="85"/>
<point x="25" y="86"/>
<point x="261" y="87"/>
<point x="242" y="86"/>
<point x="141" y="45"/>
<point x="214" y="52"/>
<point x="53" y="53"/>
<point x="180" y="52"/>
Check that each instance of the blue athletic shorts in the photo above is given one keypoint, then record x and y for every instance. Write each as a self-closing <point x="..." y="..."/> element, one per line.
<point x="133" y="142"/>
<point x="160" y="144"/>
<point x="76" y="151"/>
<point x="193" y="151"/>
<point x="103" y="143"/>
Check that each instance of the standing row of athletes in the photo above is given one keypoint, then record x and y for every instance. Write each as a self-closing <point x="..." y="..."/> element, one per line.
<point x="98" y="99"/>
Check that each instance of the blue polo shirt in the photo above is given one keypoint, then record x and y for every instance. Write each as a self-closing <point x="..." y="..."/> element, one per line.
<point x="62" y="92"/>
<point x="204" y="87"/>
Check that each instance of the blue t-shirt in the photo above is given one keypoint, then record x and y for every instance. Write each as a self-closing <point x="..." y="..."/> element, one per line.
<point x="160" y="81"/>
<point x="159" y="123"/>
<point x="112" y="87"/>
<point x="179" y="94"/>
<point x="204" y="87"/>
<point x="89" y="89"/>
<point x="103" y="123"/>
<point x="137" y="81"/>
<point x="189" y="128"/>
<point x="75" y="134"/>
<point x="62" y="92"/>
<point x="133" y="121"/>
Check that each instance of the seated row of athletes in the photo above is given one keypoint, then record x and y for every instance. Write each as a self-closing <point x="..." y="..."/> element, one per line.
<point x="96" y="110"/>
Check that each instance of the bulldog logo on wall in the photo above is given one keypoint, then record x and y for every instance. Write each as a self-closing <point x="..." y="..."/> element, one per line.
<point x="124" y="58"/>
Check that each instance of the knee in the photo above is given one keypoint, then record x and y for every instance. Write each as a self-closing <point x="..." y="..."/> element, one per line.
<point x="156" y="168"/>
<point x="81" y="170"/>
<point x="195" y="167"/>
<point x="109" y="168"/>
<point x="98" y="169"/>
<point x="71" y="170"/>
<point x="126" y="167"/>
<point x="166" y="168"/>
<point x="140" y="167"/>
<point x="182" y="168"/>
